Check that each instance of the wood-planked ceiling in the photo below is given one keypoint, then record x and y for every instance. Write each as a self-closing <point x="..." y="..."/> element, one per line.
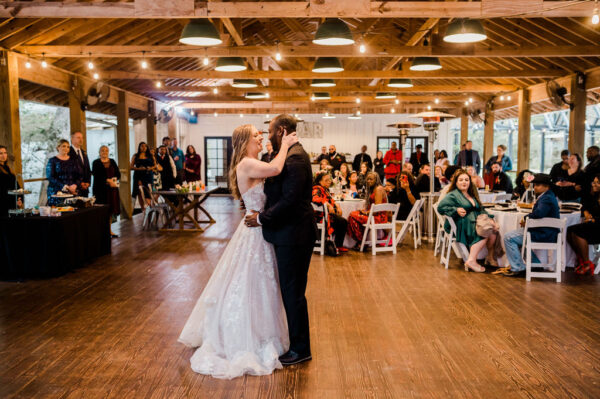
<point x="25" y="35"/>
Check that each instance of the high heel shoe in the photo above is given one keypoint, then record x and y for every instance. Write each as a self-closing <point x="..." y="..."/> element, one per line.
<point x="585" y="267"/>
<point x="477" y="269"/>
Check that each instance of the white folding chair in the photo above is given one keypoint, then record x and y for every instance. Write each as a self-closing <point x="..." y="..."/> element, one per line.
<point x="440" y="233"/>
<point x="558" y="247"/>
<point x="450" y="243"/>
<point x="413" y="222"/>
<point x="596" y="258"/>
<point x="372" y="228"/>
<point x="502" y="198"/>
<point x="322" y="226"/>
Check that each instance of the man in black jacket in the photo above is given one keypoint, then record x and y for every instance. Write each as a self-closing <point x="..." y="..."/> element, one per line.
<point x="78" y="154"/>
<point x="288" y="222"/>
<point x="418" y="158"/>
<point x="500" y="181"/>
<point x="360" y="158"/>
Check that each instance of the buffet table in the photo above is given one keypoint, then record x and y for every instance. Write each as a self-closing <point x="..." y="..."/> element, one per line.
<point x="41" y="246"/>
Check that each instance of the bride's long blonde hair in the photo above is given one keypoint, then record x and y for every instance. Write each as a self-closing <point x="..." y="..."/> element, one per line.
<point x="240" y="138"/>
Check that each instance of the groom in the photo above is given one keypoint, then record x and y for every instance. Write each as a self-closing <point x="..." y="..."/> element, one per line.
<point x="289" y="224"/>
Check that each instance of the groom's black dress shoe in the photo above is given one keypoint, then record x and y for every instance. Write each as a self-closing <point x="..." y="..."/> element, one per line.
<point x="291" y="357"/>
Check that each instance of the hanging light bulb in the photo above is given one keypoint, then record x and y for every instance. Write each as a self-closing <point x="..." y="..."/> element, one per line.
<point x="268" y="116"/>
<point x="27" y="64"/>
<point x="595" y="17"/>
<point x="508" y="98"/>
<point x="278" y="54"/>
<point x="429" y="107"/>
<point x="158" y="84"/>
<point x="357" y="112"/>
<point x="362" y="48"/>
<point x="44" y="63"/>
<point x="90" y="63"/>
<point x="205" y="60"/>
<point x="215" y="114"/>
<point x="471" y="99"/>
<point x="397" y="101"/>
<point x="144" y="63"/>
<point x="437" y="101"/>
<point x="215" y="91"/>
<point x="267" y="95"/>
<point x="192" y="113"/>
<point x="357" y="100"/>
<point x="96" y="76"/>
<point x="241" y="115"/>
<point x="466" y="103"/>
<point x="501" y="98"/>
<point x="393" y="110"/>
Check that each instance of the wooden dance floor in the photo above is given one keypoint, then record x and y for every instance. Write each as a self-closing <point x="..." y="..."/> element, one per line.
<point x="381" y="327"/>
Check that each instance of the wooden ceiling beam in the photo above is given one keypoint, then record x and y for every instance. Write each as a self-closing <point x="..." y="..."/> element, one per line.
<point x="335" y="99"/>
<point x="287" y="51"/>
<point x="301" y="9"/>
<point x="442" y="73"/>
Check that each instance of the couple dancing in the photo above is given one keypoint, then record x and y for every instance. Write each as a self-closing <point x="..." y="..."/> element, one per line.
<point x="252" y="316"/>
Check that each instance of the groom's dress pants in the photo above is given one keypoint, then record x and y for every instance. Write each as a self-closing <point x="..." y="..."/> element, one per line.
<point x="292" y="263"/>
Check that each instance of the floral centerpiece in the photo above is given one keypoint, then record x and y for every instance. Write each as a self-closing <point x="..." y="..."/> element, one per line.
<point x="189" y="187"/>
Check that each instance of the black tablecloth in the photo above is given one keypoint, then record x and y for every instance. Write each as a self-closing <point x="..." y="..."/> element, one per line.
<point x="38" y="247"/>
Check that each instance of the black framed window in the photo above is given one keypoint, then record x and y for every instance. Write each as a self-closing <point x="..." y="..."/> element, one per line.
<point x="385" y="143"/>
<point x="217" y="155"/>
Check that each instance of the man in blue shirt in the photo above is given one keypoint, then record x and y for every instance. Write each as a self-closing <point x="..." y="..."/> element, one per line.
<point x="546" y="206"/>
<point x="179" y="159"/>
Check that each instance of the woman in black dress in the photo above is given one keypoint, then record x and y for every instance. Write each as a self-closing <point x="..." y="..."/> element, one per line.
<point x="166" y="166"/>
<point x="143" y="166"/>
<point x="192" y="164"/>
<point x="378" y="165"/>
<point x="105" y="188"/>
<point x="63" y="174"/>
<point x="581" y="236"/>
<point x="570" y="182"/>
<point x="7" y="182"/>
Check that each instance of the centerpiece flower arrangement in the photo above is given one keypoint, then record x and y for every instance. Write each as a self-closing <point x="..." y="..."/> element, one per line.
<point x="190" y="187"/>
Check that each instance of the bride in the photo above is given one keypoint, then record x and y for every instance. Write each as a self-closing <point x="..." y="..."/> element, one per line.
<point x="239" y="324"/>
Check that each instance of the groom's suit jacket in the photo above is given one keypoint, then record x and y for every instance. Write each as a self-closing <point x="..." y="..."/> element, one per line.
<point x="288" y="218"/>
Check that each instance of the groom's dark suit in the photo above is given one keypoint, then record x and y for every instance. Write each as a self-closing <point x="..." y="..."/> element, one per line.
<point x="289" y="224"/>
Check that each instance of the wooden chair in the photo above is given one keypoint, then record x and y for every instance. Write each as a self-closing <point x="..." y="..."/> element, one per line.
<point x="558" y="247"/>
<point x="322" y="226"/>
<point x="413" y="222"/>
<point x="371" y="228"/>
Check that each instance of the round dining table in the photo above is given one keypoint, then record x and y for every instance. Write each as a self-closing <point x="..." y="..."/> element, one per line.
<point x="487" y="196"/>
<point x="510" y="220"/>
<point x="350" y="205"/>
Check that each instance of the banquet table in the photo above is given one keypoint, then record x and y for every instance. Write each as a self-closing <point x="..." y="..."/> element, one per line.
<point x="42" y="246"/>
<point x="348" y="206"/>
<point x="486" y="196"/>
<point x="186" y="212"/>
<point x="510" y="220"/>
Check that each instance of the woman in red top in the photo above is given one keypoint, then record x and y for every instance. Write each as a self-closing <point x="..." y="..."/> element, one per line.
<point x="336" y="224"/>
<point x="375" y="195"/>
<point x="393" y="162"/>
<point x="192" y="164"/>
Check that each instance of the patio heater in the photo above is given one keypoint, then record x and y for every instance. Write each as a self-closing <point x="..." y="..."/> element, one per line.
<point x="403" y="131"/>
<point x="431" y="123"/>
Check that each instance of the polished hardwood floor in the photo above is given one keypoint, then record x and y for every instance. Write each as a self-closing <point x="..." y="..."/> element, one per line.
<point x="381" y="327"/>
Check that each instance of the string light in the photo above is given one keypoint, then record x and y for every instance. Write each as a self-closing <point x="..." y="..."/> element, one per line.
<point x="362" y="48"/>
<point x="357" y="100"/>
<point x="466" y="103"/>
<point x="205" y="61"/>
<point x="278" y="54"/>
<point x="192" y="113"/>
<point x="357" y="112"/>
<point x="44" y="63"/>
<point x="595" y="17"/>
<point x="28" y="64"/>
<point x="471" y="99"/>
<point x="268" y="116"/>
<point x="267" y="95"/>
<point x="90" y="63"/>
<point x="397" y="101"/>
<point x="144" y="62"/>
<point x="241" y="115"/>
<point x="437" y="101"/>
<point x="158" y="84"/>
<point x="215" y="91"/>
<point x="508" y="98"/>
<point x="393" y="110"/>
<point x="501" y="98"/>
<point x="96" y="76"/>
<point x="429" y="107"/>
<point x="216" y="114"/>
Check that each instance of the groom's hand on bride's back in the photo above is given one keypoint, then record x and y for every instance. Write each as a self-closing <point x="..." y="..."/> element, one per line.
<point x="251" y="220"/>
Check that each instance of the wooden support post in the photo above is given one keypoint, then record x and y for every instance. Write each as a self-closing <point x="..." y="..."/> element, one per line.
<point x="124" y="159"/>
<point x="488" y="133"/>
<point x="10" y="130"/>
<point x="76" y="114"/>
<point x="464" y="126"/>
<point x="151" y="125"/>
<point x="577" y="115"/>
<point x="524" y="129"/>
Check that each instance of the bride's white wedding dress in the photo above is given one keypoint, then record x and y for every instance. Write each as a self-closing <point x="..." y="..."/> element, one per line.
<point x="239" y="324"/>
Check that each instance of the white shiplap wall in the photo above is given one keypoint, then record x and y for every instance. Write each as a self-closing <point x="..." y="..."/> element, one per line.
<point x="348" y="135"/>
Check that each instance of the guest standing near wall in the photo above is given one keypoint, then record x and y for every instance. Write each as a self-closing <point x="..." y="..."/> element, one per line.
<point x="7" y="182"/>
<point x="106" y="187"/>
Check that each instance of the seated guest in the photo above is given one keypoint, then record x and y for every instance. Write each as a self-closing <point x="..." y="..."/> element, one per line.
<point x="418" y="158"/>
<point x="352" y="185"/>
<point x="475" y="178"/>
<point x="8" y="181"/>
<point x="335" y="158"/>
<point x="593" y="167"/>
<point x="422" y="183"/>
<point x="166" y="167"/>
<point x="362" y="157"/>
<point x="436" y="155"/>
<point x="444" y="180"/>
<point x="105" y="188"/>
<point x="582" y="235"/>
<point x="324" y="165"/>
<point x="569" y="183"/>
<point x="558" y="168"/>
<point x="463" y="206"/>
<point x="193" y="162"/>
<point x="439" y="175"/>
<point x="522" y="184"/>
<point x="375" y="194"/>
<point x="449" y="173"/>
<point x="362" y="175"/>
<point x="442" y="158"/>
<point x="409" y="168"/>
<point x="499" y="181"/>
<point x="323" y="155"/>
<point x="500" y="157"/>
<point x="378" y="165"/>
<point x="143" y="165"/>
<point x="341" y="175"/>
<point x="546" y="206"/>
<point x="404" y="193"/>
<point x="63" y="174"/>
<point x="336" y="224"/>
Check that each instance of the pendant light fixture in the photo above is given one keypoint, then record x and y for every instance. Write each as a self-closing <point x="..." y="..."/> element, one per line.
<point x="230" y="64"/>
<point x="400" y="83"/>
<point x="321" y="96"/>
<point x="355" y="115"/>
<point x="327" y="65"/>
<point x="322" y="83"/>
<point x="595" y="16"/>
<point x="328" y="116"/>
<point x="200" y="32"/>
<point x="384" y="96"/>
<point x="425" y="64"/>
<point x="244" y="83"/>
<point x="333" y="32"/>
<point x="255" y="96"/>
<point x="463" y="30"/>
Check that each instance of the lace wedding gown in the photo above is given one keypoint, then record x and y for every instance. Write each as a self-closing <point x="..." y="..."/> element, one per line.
<point x="239" y="324"/>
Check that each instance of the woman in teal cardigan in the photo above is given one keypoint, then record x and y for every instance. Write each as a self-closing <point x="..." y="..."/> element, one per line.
<point x="463" y="206"/>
